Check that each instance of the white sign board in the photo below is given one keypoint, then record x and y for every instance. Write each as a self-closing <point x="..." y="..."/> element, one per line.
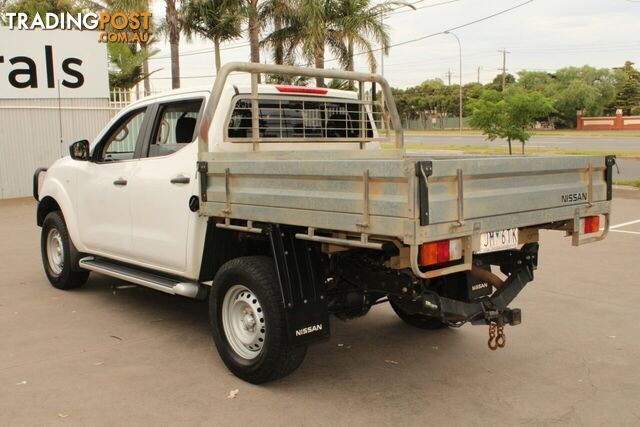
<point x="38" y="63"/>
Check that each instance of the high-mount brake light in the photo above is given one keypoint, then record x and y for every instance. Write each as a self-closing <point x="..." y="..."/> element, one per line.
<point x="433" y="253"/>
<point x="301" y="89"/>
<point x="591" y="224"/>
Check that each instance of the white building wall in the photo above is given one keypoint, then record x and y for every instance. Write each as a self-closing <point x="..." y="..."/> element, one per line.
<point x="30" y="135"/>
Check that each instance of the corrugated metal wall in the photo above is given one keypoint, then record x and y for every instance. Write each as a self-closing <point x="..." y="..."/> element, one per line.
<point x="30" y="135"/>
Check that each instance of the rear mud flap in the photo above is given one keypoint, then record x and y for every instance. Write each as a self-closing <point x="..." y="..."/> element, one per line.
<point x="301" y="284"/>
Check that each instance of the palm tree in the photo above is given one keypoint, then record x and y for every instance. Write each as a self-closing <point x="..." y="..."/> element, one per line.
<point x="341" y="25"/>
<point x="253" y="18"/>
<point x="126" y="65"/>
<point x="359" y="23"/>
<point x="309" y="28"/>
<point x="173" y="29"/>
<point x="128" y="6"/>
<point x="275" y="12"/>
<point x="218" y="20"/>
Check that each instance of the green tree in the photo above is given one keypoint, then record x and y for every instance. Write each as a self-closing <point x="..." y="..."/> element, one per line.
<point x="217" y="20"/>
<point x="359" y="24"/>
<point x="508" y="114"/>
<point x="129" y="6"/>
<point x="275" y="13"/>
<point x="628" y="89"/>
<point x="537" y="81"/>
<point x="126" y="68"/>
<point x="496" y="83"/>
<point x="584" y="88"/>
<point x="309" y="28"/>
<point x="578" y="96"/>
<point x="173" y="29"/>
<point x="33" y="7"/>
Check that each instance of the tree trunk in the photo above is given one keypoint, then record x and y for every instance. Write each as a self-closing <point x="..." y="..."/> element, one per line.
<point x="509" y="140"/>
<point x="319" y="60"/>
<point x="350" y="59"/>
<point x="174" y="42"/>
<point x="254" y="33"/>
<point x="522" y="146"/>
<point x="145" y="70"/>
<point x="216" y="44"/>
<point x="278" y="48"/>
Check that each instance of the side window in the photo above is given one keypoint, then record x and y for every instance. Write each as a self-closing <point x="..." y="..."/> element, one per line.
<point x="175" y="127"/>
<point x="120" y="143"/>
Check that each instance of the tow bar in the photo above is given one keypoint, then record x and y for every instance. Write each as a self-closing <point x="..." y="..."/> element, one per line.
<point x="518" y="265"/>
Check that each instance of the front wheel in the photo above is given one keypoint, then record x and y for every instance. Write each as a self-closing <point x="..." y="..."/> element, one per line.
<point x="55" y="246"/>
<point x="248" y="321"/>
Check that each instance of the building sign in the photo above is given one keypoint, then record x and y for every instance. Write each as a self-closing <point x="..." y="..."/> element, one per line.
<point x="48" y="64"/>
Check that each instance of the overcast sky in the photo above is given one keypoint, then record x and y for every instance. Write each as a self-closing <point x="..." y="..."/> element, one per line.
<point x="541" y="35"/>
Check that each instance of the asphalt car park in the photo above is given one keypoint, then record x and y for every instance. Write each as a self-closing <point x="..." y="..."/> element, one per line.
<point x="114" y="354"/>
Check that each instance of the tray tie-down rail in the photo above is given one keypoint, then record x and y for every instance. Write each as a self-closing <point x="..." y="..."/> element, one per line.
<point x="518" y="264"/>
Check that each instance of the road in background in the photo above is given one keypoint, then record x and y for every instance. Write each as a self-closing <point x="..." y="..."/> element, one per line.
<point x="102" y="357"/>
<point x="536" y="141"/>
<point x="629" y="169"/>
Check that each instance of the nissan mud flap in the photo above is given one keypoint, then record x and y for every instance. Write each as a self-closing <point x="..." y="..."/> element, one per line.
<point x="492" y="309"/>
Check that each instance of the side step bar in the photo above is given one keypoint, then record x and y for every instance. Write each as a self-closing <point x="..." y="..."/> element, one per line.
<point x="143" y="278"/>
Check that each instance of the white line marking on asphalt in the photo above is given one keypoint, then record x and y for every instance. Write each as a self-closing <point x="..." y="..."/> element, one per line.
<point x="624" y="224"/>
<point x="625" y="231"/>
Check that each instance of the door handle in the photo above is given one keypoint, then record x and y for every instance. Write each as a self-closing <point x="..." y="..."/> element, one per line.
<point x="180" y="179"/>
<point x="120" y="182"/>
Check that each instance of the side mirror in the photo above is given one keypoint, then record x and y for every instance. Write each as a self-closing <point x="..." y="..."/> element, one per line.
<point x="80" y="150"/>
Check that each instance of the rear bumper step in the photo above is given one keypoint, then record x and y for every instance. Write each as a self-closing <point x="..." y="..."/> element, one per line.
<point x="143" y="278"/>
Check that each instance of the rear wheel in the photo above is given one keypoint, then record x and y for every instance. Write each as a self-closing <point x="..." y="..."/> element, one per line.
<point x="56" y="254"/>
<point x="418" y="320"/>
<point x="248" y="321"/>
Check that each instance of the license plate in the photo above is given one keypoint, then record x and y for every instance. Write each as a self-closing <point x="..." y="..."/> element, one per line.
<point x="499" y="240"/>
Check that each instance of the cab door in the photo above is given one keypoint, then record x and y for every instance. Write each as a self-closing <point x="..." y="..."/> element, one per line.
<point x="162" y="184"/>
<point x="104" y="192"/>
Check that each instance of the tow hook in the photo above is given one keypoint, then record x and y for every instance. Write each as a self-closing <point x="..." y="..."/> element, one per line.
<point x="497" y="337"/>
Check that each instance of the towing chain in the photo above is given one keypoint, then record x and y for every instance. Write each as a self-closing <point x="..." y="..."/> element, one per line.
<point x="497" y="338"/>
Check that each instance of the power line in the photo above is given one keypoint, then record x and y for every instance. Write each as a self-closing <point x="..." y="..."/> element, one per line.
<point x="577" y="46"/>
<point x="485" y="18"/>
<point x="241" y="45"/>
<point x="202" y="51"/>
<point x="493" y="15"/>
<point x="426" y="6"/>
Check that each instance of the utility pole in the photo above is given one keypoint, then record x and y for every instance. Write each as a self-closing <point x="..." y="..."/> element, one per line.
<point x="449" y="76"/>
<point x="478" y="74"/>
<point x="460" y="76"/>
<point x="504" y="67"/>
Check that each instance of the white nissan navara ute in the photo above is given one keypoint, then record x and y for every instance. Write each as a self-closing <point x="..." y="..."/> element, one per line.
<point x="280" y="205"/>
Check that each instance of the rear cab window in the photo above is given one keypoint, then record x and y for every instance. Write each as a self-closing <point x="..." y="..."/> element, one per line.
<point x="283" y="119"/>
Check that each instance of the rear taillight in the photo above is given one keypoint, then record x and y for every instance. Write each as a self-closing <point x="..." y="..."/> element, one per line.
<point x="433" y="253"/>
<point x="591" y="224"/>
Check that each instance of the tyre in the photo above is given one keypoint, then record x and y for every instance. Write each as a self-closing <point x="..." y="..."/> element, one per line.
<point x="418" y="320"/>
<point x="248" y="323"/>
<point x="55" y="247"/>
